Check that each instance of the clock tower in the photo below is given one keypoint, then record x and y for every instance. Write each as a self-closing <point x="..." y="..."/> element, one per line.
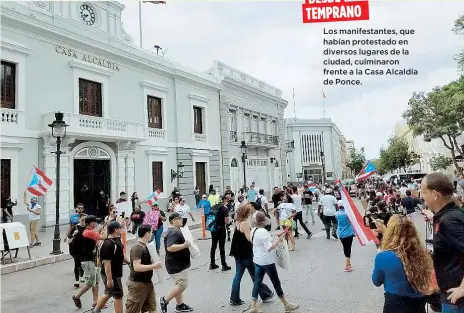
<point x="90" y="18"/>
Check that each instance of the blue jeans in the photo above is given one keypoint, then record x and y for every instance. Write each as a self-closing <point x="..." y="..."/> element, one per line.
<point x="240" y="266"/>
<point x="451" y="308"/>
<point x="156" y="235"/>
<point x="271" y="271"/>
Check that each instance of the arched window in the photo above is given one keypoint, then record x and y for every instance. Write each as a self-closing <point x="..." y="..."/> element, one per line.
<point x="234" y="163"/>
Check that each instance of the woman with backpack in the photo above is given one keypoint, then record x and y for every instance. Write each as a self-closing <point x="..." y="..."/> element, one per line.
<point x="76" y="247"/>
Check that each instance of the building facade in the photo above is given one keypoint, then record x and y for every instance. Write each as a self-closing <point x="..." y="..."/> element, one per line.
<point x="425" y="151"/>
<point x="344" y="157"/>
<point x="133" y="116"/>
<point x="317" y="150"/>
<point x="251" y="111"/>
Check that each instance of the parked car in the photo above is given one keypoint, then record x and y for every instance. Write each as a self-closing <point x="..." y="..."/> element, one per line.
<point x="404" y="176"/>
<point x="350" y="185"/>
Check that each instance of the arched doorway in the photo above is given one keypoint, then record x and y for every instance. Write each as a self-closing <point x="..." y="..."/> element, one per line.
<point x="92" y="169"/>
<point x="235" y="184"/>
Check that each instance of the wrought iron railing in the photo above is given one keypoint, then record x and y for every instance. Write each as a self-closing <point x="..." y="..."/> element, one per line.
<point x="258" y="138"/>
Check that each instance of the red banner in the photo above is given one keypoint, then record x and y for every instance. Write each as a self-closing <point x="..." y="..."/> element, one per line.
<point x="323" y="11"/>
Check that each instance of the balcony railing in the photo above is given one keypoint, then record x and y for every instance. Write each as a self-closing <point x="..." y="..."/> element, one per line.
<point x="233" y="136"/>
<point x="97" y="127"/>
<point x="12" y="122"/>
<point x="260" y="139"/>
<point x="156" y="133"/>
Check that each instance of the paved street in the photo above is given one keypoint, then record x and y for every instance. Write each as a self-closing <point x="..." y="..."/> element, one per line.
<point x="317" y="282"/>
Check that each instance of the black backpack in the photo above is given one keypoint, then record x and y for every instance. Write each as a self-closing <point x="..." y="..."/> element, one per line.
<point x="76" y="242"/>
<point x="258" y="203"/>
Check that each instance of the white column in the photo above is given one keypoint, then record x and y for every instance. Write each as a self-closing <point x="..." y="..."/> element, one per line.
<point x="130" y="172"/>
<point x="120" y="173"/>
<point x="49" y="199"/>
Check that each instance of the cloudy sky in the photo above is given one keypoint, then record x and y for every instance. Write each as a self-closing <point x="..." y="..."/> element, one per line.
<point x="269" y="41"/>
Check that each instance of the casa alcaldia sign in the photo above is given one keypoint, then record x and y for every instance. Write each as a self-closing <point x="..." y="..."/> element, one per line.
<point x="87" y="58"/>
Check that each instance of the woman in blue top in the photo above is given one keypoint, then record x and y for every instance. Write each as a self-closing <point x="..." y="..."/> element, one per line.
<point x="345" y="233"/>
<point x="403" y="267"/>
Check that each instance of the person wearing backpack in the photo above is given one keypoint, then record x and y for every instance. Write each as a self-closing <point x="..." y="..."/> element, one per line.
<point x="216" y="224"/>
<point x="261" y="201"/>
<point x="76" y="247"/>
<point x="91" y="275"/>
<point x="111" y="256"/>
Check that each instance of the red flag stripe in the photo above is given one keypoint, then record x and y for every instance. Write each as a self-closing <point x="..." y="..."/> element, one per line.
<point x="45" y="177"/>
<point x="34" y="191"/>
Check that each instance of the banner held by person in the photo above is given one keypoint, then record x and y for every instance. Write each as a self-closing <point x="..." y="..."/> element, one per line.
<point x="155" y="258"/>
<point x="363" y="233"/>
<point x="367" y="171"/>
<point x="38" y="182"/>
<point x="194" y="250"/>
<point x="283" y="256"/>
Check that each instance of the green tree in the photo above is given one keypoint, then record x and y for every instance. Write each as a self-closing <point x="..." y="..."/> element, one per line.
<point x="439" y="114"/>
<point x="458" y="29"/>
<point x="440" y="162"/>
<point x="381" y="170"/>
<point x="398" y="153"/>
<point x="356" y="160"/>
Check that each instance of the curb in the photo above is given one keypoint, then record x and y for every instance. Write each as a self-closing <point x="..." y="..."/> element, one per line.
<point x="28" y="264"/>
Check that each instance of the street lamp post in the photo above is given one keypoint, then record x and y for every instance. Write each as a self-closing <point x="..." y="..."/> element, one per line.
<point x="58" y="127"/>
<point x="323" y="166"/>
<point x="243" y="149"/>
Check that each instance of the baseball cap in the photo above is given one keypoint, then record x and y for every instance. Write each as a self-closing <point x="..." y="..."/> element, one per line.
<point x="90" y="219"/>
<point x="112" y="226"/>
<point x="328" y="190"/>
<point x="340" y="203"/>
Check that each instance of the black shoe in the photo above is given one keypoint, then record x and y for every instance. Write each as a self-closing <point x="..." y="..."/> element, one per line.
<point x="228" y="238"/>
<point x="297" y="236"/>
<point x="226" y="268"/>
<point x="183" y="308"/>
<point x="335" y="236"/>
<point x="213" y="266"/>
<point x="163" y="305"/>
<point x="328" y="237"/>
<point x="77" y="302"/>
<point x="235" y="303"/>
<point x="309" y="236"/>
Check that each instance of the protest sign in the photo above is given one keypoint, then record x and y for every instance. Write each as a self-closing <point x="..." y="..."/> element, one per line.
<point x="194" y="250"/>
<point x="155" y="258"/>
<point x="283" y="256"/>
<point x="125" y="207"/>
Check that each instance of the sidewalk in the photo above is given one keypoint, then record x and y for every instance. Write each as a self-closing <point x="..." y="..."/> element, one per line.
<point x="41" y="255"/>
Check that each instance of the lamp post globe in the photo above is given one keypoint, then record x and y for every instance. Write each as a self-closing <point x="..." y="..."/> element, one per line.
<point x="243" y="149"/>
<point x="58" y="129"/>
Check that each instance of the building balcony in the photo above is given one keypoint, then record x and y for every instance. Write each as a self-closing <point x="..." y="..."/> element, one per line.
<point x="290" y="145"/>
<point x="12" y="122"/>
<point x="92" y="127"/>
<point x="233" y="136"/>
<point x="156" y="134"/>
<point x="253" y="139"/>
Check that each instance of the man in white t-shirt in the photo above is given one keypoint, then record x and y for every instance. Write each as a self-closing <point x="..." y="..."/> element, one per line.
<point x="184" y="211"/>
<point x="297" y="202"/>
<point x="403" y="189"/>
<point x="34" y="219"/>
<point x="328" y="207"/>
<point x="263" y="200"/>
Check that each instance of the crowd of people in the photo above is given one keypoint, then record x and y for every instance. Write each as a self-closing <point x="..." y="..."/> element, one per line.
<point x="410" y="274"/>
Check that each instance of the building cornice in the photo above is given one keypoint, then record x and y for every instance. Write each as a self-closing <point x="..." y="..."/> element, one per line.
<point x="157" y="151"/>
<point x="14" y="46"/>
<point x="142" y="58"/>
<point x="90" y="67"/>
<point x="198" y="97"/>
<point x="204" y="153"/>
<point x="153" y="85"/>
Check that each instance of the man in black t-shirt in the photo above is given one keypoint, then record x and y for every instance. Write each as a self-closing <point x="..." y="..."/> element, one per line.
<point x="219" y="235"/>
<point x="308" y="204"/>
<point x="112" y="258"/>
<point x="141" y="296"/>
<point x="177" y="264"/>
<point x="276" y="199"/>
<point x="409" y="202"/>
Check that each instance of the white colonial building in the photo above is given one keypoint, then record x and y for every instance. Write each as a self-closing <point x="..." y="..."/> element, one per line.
<point x="251" y="111"/>
<point x="133" y="116"/>
<point x="312" y="138"/>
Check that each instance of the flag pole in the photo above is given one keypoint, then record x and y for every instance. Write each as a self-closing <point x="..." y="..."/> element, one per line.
<point x="323" y="103"/>
<point x="140" y="23"/>
<point x="294" y="104"/>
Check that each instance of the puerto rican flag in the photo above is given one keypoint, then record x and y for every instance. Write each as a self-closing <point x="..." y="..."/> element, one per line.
<point x="364" y="234"/>
<point x="153" y="197"/>
<point x="38" y="183"/>
<point x="312" y="187"/>
<point x="367" y="171"/>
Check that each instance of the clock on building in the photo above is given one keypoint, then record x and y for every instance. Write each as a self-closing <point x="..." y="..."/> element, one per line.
<point x="87" y="14"/>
